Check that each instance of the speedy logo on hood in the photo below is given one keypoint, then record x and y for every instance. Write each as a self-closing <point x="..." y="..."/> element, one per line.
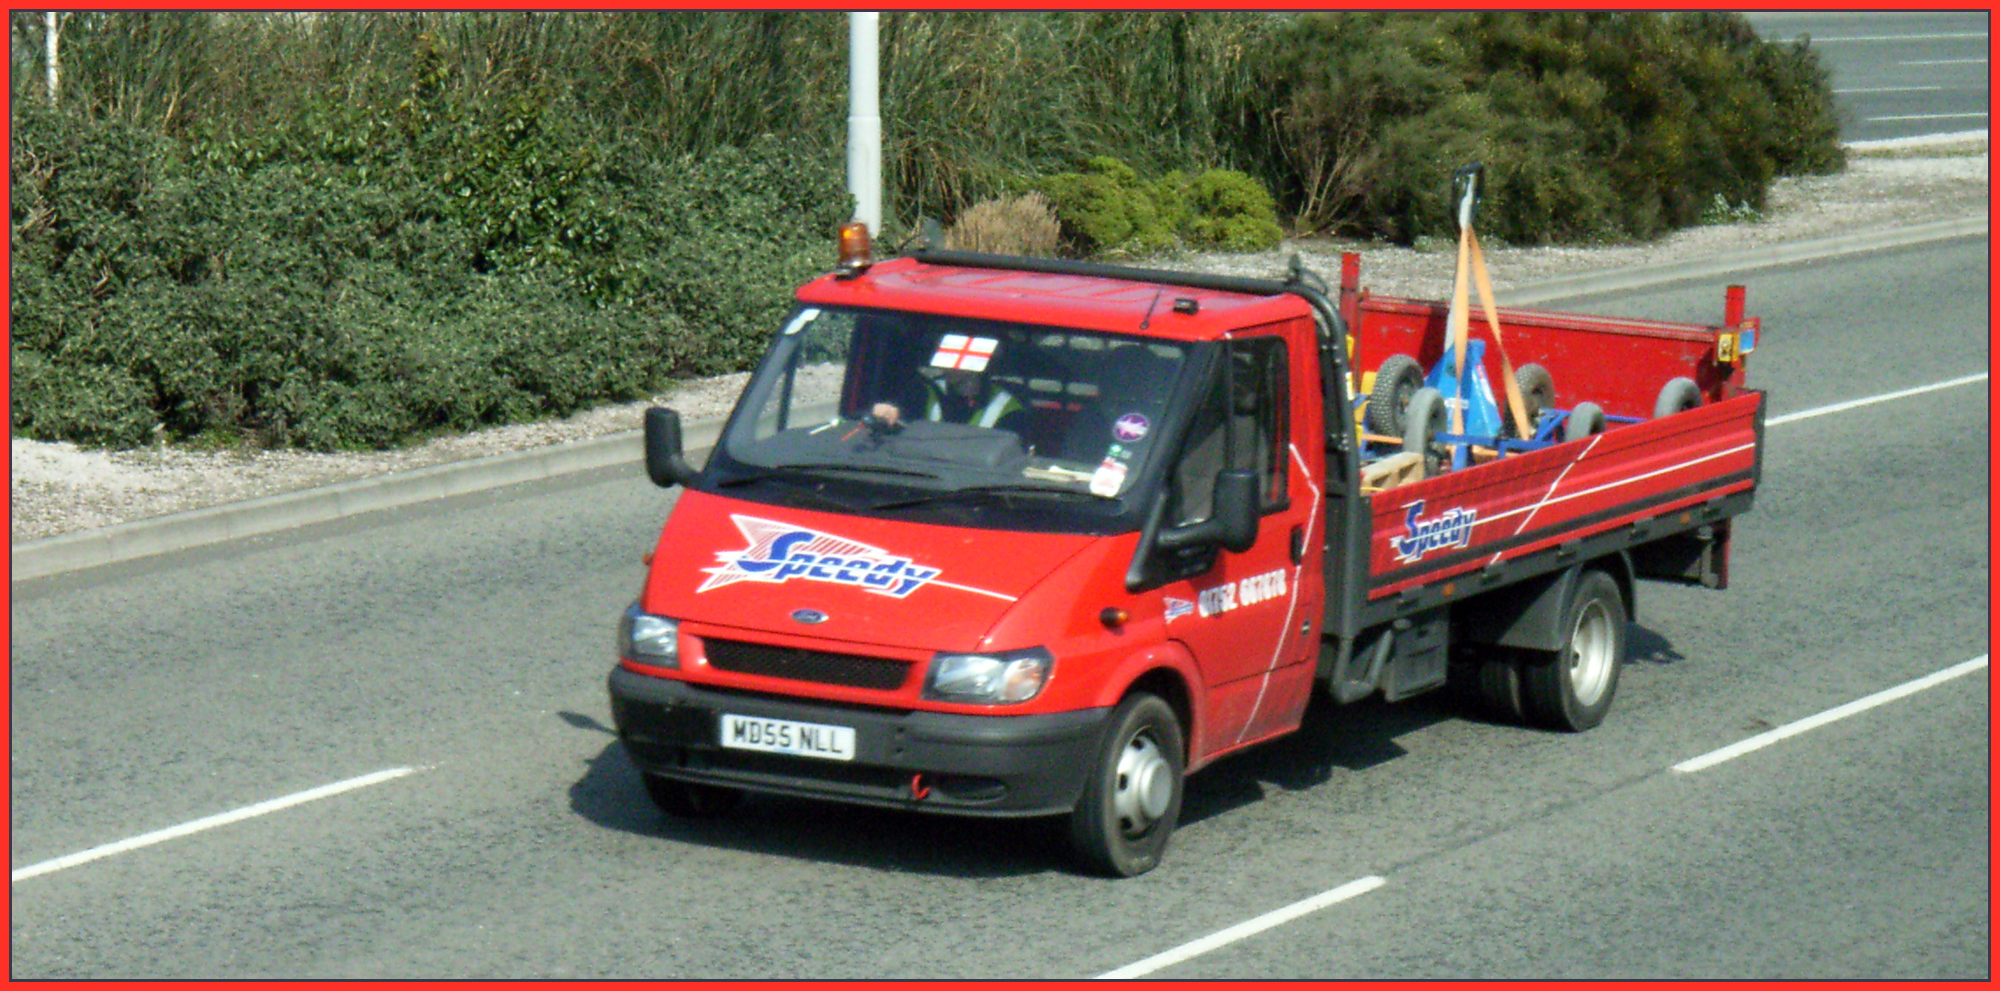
<point x="781" y="552"/>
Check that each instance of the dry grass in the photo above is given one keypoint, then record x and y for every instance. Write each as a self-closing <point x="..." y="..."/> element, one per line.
<point x="1024" y="225"/>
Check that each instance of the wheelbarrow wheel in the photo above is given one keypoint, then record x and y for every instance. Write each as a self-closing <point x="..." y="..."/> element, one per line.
<point x="1586" y="419"/>
<point x="1677" y="396"/>
<point x="1538" y="392"/>
<point x="1422" y="422"/>
<point x="1396" y="381"/>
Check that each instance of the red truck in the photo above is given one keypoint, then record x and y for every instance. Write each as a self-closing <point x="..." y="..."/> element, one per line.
<point x="1163" y="513"/>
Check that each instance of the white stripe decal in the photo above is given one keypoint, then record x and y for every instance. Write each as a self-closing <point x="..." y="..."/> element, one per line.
<point x="976" y="591"/>
<point x="1594" y="438"/>
<point x="1621" y="482"/>
<point x="1292" y="600"/>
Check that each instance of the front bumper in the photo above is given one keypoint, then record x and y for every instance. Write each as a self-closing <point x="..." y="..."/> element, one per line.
<point x="941" y="762"/>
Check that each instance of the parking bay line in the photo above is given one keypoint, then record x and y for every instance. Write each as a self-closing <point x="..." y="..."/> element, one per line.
<point x="210" y="822"/>
<point x="1860" y="705"/>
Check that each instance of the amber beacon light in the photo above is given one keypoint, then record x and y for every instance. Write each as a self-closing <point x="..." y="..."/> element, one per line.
<point x="856" y="253"/>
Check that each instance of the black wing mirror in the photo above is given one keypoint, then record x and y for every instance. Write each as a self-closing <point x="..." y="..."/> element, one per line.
<point x="1233" y="521"/>
<point x="665" y="463"/>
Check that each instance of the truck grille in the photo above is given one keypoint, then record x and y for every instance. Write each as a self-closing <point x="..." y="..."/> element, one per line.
<point x="850" y="670"/>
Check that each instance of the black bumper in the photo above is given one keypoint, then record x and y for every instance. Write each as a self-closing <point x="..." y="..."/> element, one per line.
<point x="940" y="762"/>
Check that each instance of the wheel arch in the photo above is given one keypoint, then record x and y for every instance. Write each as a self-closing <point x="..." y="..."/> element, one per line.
<point x="1529" y="614"/>
<point x="1168" y="671"/>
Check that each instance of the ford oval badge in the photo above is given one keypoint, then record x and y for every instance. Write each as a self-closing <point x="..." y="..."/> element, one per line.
<point x="809" y="615"/>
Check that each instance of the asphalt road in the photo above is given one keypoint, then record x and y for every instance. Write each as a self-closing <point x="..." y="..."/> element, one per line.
<point x="1897" y="74"/>
<point x="467" y="642"/>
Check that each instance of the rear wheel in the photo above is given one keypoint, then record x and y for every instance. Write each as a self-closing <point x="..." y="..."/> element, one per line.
<point x="1133" y="796"/>
<point x="1571" y="688"/>
<point x="1396" y="381"/>
<point x="1500" y="686"/>
<point x="689" y="800"/>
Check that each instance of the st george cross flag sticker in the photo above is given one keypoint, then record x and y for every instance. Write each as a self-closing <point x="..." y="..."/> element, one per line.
<point x="961" y="352"/>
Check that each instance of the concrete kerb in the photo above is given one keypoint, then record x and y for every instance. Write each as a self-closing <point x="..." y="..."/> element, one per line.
<point x="269" y="514"/>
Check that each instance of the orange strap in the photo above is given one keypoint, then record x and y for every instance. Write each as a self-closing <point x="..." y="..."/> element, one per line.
<point x="1515" y="405"/>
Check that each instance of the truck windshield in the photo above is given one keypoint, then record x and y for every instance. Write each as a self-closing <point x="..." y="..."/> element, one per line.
<point x="892" y="411"/>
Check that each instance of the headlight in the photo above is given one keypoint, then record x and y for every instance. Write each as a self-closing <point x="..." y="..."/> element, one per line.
<point x="1013" y="676"/>
<point x="649" y="639"/>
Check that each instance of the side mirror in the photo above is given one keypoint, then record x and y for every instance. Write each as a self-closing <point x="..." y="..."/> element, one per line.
<point x="665" y="464"/>
<point x="1232" y="522"/>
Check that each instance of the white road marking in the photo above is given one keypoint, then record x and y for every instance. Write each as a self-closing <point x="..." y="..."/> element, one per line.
<point x="1926" y="117"/>
<point x="1872" y="400"/>
<point x="1241" y="930"/>
<point x="224" y="819"/>
<point x="1890" y="89"/>
<point x="1762" y="740"/>
<point x="1959" y="36"/>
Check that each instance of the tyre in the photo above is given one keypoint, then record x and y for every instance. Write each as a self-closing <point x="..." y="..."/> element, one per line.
<point x="1677" y="396"/>
<point x="1571" y="688"/>
<point x="1500" y="686"/>
<point x="1132" y="798"/>
<point x="1538" y="392"/>
<point x="1395" y="382"/>
<point x="1586" y="419"/>
<point x="1422" y="422"/>
<point x="689" y="800"/>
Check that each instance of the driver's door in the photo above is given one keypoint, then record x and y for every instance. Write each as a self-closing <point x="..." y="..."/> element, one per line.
<point x="1251" y="619"/>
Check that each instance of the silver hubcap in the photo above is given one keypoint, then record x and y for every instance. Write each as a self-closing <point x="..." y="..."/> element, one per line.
<point x="1591" y="649"/>
<point x="1145" y="785"/>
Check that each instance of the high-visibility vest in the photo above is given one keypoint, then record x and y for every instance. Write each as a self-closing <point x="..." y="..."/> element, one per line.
<point x="1002" y="403"/>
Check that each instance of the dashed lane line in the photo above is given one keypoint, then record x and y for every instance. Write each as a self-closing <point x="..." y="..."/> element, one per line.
<point x="210" y="822"/>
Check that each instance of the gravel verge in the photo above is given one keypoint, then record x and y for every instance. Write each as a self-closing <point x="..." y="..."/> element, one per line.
<point x="57" y="488"/>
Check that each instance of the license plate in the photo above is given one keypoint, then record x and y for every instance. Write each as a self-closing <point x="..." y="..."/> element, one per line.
<point x="782" y="736"/>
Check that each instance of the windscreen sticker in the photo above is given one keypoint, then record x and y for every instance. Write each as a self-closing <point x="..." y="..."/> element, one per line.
<point x="965" y="353"/>
<point x="806" y="316"/>
<point x="1452" y="528"/>
<point x="781" y="552"/>
<point x="1131" y="427"/>
<point x="1108" y="478"/>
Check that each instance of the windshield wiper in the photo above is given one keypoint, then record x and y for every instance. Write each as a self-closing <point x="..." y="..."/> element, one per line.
<point x="990" y="491"/>
<point x="807" y="469"/>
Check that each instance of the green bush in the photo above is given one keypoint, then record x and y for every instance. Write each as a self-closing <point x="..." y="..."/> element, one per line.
<point x="301" y="288"/>
<point x="353" y="229"/>
<point x="1109" y="210"/>
<point x="1591" y="125"/>
<point x="1231" y="211"/>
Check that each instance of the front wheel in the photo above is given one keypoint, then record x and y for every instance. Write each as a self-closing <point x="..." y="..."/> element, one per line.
<point x="1133" y="796"/>
<point x="1571" y="689"/>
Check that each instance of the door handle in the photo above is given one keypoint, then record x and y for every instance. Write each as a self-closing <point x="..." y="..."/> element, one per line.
<point x="1298" y="543"/>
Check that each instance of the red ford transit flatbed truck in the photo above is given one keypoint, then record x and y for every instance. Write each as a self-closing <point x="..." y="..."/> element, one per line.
<point x="1164" y="513"/>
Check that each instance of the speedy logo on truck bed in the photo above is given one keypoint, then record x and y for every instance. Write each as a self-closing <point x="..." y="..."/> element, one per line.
<point x="780" y="552"/>
<point x="1452" y="529"/>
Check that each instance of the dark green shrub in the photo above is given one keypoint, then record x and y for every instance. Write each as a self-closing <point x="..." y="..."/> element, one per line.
<point x="1231" y="211"/>
<point x="1591" y="125"/>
